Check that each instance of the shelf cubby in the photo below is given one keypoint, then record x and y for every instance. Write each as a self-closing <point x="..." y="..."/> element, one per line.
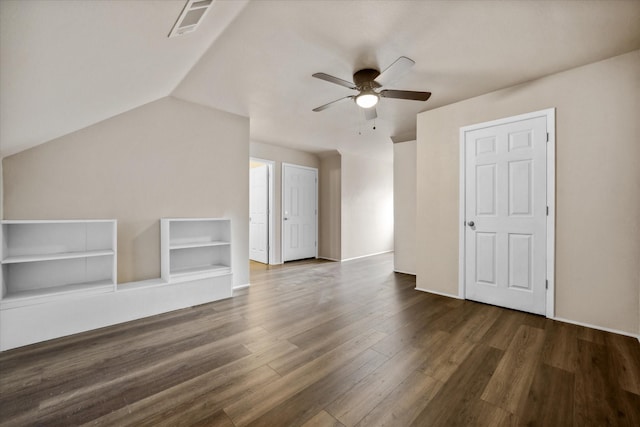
<point x="42" y="259"/>
<point x="195" y="247"/>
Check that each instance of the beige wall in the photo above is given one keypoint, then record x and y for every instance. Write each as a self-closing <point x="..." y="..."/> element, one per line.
<point x="597" y="187"/>
<point x="330" y="206"/>
<point x="1" y="190"/>
<point x="169" y="158"/>
<point x="280" y="155"/>
<point x="367" y="205"/>
<point x="404" y="207"/>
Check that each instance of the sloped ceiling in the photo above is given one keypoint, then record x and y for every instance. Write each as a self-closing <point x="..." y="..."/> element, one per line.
<point x="68" y="64"/>
<point x="65" y="65"/>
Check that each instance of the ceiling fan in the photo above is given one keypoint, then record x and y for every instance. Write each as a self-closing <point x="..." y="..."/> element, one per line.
<point x="368" y="81"/>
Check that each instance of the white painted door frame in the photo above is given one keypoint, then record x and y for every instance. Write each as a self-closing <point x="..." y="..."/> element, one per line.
<point x="259" y="212"/>
<point x="549" y="114"/>
<point x="270" y="165"/>
<point x="282" y="208"/>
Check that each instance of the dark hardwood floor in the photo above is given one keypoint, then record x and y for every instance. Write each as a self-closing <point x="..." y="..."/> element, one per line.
<point x="316" y="343"/>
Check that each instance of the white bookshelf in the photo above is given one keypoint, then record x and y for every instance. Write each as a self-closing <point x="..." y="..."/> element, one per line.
<point x="45" y="259"/>
<point x="59" y="277"/>
<point x="193" y="248"/>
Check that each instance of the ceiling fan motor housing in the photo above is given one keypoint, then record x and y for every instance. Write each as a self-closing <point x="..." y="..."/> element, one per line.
<point x="365" y="79"/>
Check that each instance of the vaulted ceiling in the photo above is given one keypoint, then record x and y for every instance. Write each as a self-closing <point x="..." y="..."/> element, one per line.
<point x="65" y="65"/>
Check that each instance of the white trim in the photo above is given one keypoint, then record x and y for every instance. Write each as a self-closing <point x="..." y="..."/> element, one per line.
<point x="551" y="217"/>
<point x="600" y="328"/>
<point x="53" y="221"/>
<point x="238" y="287"/>
<point x="442" y="294"/>
<point x="362" y="256"/>
<point x="462" y="216"/>
<point x="404" y="272"/>
<point x="272" y="225"/>
<point x="195" y="219"/>
<point x="282" y="207"/>
<point x="550" y="114"/>
<point x="329" y="259"/>
<point x="365" y="256"/>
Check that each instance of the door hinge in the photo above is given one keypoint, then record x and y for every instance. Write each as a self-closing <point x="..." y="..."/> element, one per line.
<point x="547" y="136"/>
<point x="547" y="210"/>
<point x="546" y="284"/>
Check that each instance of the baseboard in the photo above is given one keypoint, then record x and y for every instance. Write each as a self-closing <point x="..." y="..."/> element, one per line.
<point x="358" y="257"/>
<point x="600" y="328"/>
<point x="559" y="319"/>
<point x="404" y="272"/>
<point x="443" y="294"/>
<point x="329" y="259"/>
<point x="238" y="287"/>
<point x="366" y="256"/>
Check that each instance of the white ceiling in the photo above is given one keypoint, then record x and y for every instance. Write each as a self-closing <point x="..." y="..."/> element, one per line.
<point x="68" y="64"/>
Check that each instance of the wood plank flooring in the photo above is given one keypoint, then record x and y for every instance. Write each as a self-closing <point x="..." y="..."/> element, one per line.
<point x="315" y="343"/>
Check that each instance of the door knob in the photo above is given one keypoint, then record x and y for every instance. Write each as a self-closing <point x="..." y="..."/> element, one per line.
<point x="471" y="223"/>
<point x="285" y="219"/>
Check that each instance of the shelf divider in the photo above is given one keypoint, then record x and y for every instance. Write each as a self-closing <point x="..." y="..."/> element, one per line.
<point x="57" y="256"/>
<point x="197" y="245"/>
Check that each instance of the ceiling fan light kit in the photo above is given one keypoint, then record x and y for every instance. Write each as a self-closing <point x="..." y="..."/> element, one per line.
<point x="367" y="99"/>
<point x="367" y="80"/>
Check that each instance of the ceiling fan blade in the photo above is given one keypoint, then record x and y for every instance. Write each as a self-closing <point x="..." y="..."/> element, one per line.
<point x="332" y="79"/>
<point x="405" y="94"/>
<point x="329" y="104"/>
<point x="370" y="113"/>
<point x="394" y="71"/>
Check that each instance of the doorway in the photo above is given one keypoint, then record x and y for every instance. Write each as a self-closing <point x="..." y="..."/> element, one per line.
<point x="507" y="184"/>
<point x="260" y="210"/>
<point x="299" y="212"/>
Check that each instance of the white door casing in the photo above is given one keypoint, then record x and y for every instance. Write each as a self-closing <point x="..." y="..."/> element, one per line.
<point x="299" y="212"/>
<point x="505" y="240"/>
<point x="259" y="214"/>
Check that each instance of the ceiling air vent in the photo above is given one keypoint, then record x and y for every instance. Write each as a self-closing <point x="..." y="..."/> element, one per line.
<point x="190" y="17"/>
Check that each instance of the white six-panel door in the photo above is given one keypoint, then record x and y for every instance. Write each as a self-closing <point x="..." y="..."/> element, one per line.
<point x="259" y="214"/>
<point x="505" y="214"/>
<point x="299" y="212"/>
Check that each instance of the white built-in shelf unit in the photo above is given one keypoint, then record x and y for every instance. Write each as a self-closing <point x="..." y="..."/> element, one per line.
<point x="45" y="259"/>
<point x="195" y="248"/>
<point x="59" y="277"/>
